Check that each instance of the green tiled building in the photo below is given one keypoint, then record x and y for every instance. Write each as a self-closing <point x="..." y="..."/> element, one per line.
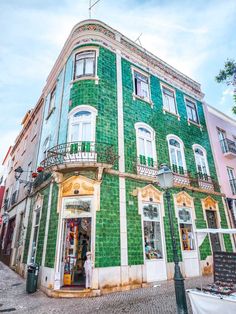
<point x="113" y="114"/>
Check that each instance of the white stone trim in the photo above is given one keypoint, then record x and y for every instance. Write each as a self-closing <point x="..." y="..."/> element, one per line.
<point x="122" y="187"/>
<point x="194" y="146"/>
<point x="175" y="137"/>
<point x="47" y="224"/>
<point x="153" y="138"/>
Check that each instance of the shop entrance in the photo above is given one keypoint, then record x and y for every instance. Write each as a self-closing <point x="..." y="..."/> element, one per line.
<point x="212" y="223"/>
<point x="77" y="242"/>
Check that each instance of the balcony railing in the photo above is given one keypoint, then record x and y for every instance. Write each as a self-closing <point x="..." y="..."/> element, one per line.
<point x="228" y="146"/>
<point x="232" y="183"/>
<point x="204" y="181"/>
<point x="80" y="153"/>
<point x="146" y="166"/>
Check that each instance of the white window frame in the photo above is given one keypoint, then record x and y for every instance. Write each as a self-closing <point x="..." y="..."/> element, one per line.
<point x="231" y="176"/>
<point x="205" y="156"/>
<point x="46" y="145"/>
<point x="139" y="125"/>
<point x="192" y="223"/>
<point x="72" y="120"/>
<point x="160" y="221"/>
<point x="51" y="104"/>
<point x="174" y="137"/>
<point x="222" y="137"/>
<point x="187" y="99"/>
<point x="86" y="77"/>
<point x="148" y="82"/>
<point x="165" y="86"/>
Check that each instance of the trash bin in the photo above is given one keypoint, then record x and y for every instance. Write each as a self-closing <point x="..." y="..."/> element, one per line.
<point x="32" y="277"/>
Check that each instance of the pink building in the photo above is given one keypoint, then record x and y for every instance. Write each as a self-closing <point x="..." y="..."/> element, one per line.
<point x="222" y="132"/>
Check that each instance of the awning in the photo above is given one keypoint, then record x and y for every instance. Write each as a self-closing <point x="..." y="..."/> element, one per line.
<point x="202" y="233"/>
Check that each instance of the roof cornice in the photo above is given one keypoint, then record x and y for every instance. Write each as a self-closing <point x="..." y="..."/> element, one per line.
<point x="97" y="29"/>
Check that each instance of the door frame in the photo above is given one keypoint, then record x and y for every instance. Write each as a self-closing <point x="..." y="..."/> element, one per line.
<point x="59" y="265"/>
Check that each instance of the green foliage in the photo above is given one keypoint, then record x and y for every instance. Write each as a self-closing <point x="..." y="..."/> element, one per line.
<point x="228" y="75"/>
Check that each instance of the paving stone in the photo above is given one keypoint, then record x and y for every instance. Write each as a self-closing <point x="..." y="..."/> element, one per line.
<point x="159" y="298"/>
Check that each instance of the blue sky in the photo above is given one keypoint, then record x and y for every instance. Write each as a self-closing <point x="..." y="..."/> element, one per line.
<point x="195" y="37"/>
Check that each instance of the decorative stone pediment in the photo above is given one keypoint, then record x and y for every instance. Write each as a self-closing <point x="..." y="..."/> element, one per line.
<point x="183" y="199"/>
<point x="148" y="194"/>
<point x="209" y="203"/>
<point x="78" y="185"/>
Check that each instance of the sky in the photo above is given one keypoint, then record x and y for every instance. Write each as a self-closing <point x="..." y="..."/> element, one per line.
<point x="195" y="37"/>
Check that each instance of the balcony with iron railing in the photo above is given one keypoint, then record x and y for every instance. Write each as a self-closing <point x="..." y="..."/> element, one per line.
<point x="146" y="166"/>
<point x="181" y="176"/>
<point x="232" y="183"/>
<point x="228" y="148"/>
<point x="75" y="155"/>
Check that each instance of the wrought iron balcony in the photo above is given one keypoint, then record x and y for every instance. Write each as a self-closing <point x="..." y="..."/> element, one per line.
<point x="76" y="154"/>
<point x="228" y="148"/>
<point x="204" y="181"/>
<point x="232" y="183"/>
<point x="181" y="176"/>
<point x="146" y="166"/>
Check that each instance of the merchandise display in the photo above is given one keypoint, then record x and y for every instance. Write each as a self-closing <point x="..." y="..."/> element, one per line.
<point x="77" y="244"/>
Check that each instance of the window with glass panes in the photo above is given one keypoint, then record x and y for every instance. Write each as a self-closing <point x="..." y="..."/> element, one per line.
<point x="186" y="229"/>
<point x="222" y="139"/>
<point x="35" y="235"/>
<point x="201" y="163"/>
<point x="141" y="83"/>
<point x="191" y="111"/>
<point x="85" y="63"/>
<point x="152" y="231"/>
<point x="52" y="100"/>
<point x="176" y="156"/>
<point x="80" y="132"/>
<point x="169" y="100"/>
<point x="232" y="179"/>
<point x="145" y="147"/>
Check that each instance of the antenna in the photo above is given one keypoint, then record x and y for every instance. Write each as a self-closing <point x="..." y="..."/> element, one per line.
<point x="91" y="6"/>
<point x="138" y="40"/>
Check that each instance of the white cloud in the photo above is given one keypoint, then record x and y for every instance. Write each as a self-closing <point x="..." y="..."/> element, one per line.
<point x="192" y="36"/>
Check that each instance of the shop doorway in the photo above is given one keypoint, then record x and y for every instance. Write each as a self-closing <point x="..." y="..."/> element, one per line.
<point x="212" y="223"/>
<point x="77" y="242"/>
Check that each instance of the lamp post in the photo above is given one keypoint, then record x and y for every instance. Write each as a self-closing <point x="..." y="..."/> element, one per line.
<point x="165" y="178"/>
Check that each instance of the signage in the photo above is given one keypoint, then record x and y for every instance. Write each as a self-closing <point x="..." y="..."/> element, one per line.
<point x="224" y="267"/>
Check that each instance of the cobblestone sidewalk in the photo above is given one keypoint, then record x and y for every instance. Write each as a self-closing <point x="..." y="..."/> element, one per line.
<point x="157" y="299"/>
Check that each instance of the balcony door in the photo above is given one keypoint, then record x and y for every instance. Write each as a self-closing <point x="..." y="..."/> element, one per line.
<point x="81" y="134"/>
<point x="212" y="224"/>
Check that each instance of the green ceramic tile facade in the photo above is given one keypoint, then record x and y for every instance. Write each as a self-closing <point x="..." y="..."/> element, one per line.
<point x="134" y="224"/>
<point x="102" y="96"/>
<point x="52" y="229"/>
<point x="165" y="124"/>
<point x="107" y="246"/>
<point x="42" y="225"/>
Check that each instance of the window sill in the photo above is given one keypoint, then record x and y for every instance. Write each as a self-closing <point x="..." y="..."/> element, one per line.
<point x="172" y="113"/>
<point x="50" y="112"/>
<point x="148" y="101"/>
<point x="82" y="78"/>
<point x="194" y="123"/>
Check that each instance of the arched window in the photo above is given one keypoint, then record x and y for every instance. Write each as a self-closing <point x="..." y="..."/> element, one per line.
<point x="176" y="152"/>
<point x="201" y="160"/>
<point x="146" y="150"/>
<point x="82" y="121"/>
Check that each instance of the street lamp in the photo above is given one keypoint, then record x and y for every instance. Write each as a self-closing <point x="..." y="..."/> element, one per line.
<point x="166" y="181"/>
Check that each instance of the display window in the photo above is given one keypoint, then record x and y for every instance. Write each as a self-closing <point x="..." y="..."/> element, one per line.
<point x="186" y="229"/>
<point x="152" y="231"/>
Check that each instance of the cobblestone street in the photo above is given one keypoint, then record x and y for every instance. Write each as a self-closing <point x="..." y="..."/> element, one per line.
<point x="157" y="299"/>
